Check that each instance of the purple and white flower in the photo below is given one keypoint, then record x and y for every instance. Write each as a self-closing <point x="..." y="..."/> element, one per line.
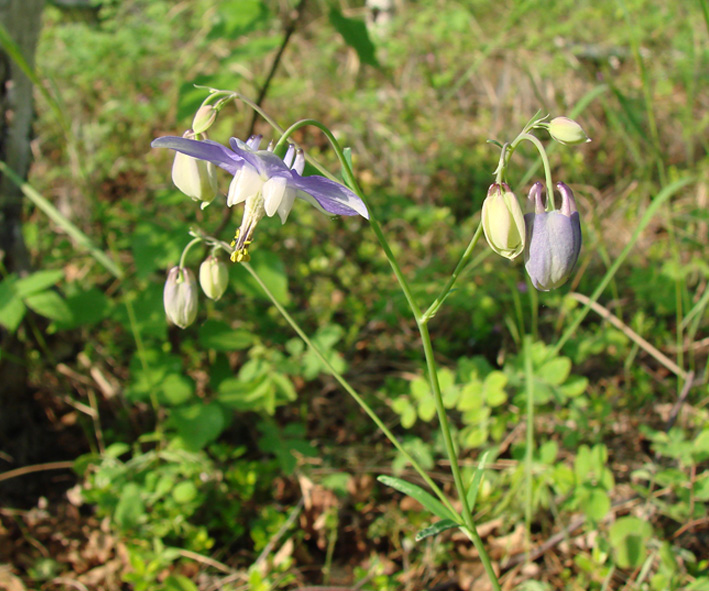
<point x="266" y="183"/>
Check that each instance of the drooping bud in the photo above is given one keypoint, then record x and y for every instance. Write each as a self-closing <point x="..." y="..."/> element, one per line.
<point x="503" y="221"/>
<point x="567" y="131"/>
<point x="204" y="118"/>
<point x="195" y="178"/>
<point x="180" y="297"/>
<point x="213" y="277"/>
<point x="553" y="239"/>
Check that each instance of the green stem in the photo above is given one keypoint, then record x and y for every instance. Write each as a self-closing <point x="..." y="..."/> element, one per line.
<point x="351" y="391"/>
<point x="452" y="454"/>
<point x="447" y="288"/>
<point x="547" y="167"/>
<point x="529" y="383"/>
<point x="187" y="248"/>
<point x="428" y="352"/>
<point x="509" y="149"/>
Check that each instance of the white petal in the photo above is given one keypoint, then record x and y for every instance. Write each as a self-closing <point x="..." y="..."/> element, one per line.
<point x="273" y="191"/>
<point x="246" y="183"/>
<point x="286" y="204"/>
<point x="195" y="178"/>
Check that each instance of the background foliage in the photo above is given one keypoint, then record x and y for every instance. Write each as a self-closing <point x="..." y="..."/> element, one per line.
<point x="221" y="456"/>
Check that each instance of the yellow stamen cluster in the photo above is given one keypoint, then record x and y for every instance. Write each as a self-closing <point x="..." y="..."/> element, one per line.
<point x="241" y="254"/>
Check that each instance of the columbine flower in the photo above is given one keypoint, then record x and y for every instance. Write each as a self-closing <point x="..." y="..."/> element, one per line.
<point x="266" y="183"/>
<point x="553" y="239"/>
<point x="567" y="131"/>
<point x="195" y="178"/>
<point x="503" y="221"/>
<point x="213" y="277"/>
<point x="180" y="297"/>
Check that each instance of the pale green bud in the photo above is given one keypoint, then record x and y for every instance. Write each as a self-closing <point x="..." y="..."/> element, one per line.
<point x="503" y="221"/>
<point x="195" y="178"/>
<point x="204" y="118"/>
<point x="213" y="277"/>
<point x="567" y="131"/>
<point x="180" y="297"/>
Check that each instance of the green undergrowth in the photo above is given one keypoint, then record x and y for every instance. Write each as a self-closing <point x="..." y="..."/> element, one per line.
<point x="215" y="433"/>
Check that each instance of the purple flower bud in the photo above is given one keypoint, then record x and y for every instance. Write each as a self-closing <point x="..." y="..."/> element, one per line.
<point x="180" y="297"/>
<point x="553" y="239"/>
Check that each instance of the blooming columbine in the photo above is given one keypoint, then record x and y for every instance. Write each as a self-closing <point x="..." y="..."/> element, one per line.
<point x="266" y="183"/>
<point x="553" y="239"/>
<point x="503" y="221"/>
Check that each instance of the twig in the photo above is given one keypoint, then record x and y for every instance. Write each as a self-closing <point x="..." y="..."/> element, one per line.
<point x="632" y="335"/>
<point x="680" y="401"/>
<point x="206" y="560"/>
<point x="280" y="533"/>
<point x="290" y="29"/>
<point x="36" y="468"/>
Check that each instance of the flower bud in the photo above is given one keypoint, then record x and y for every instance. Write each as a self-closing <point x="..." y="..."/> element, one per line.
<point x="213" y="277"/>
<point x="503" y="221"/>
<point x="195" y="178"/>
<point x="180" y="297"/>
<point x="567" y="131"/>
<point x="204" y="118"/>
<point x="553" y="239"/>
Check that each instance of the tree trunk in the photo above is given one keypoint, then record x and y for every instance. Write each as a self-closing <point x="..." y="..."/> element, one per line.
<point x="18" y="415"/>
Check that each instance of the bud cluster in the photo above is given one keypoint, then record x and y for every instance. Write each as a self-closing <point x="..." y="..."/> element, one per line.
<point x="550" y="238"/>
<point x="180" y="293"/>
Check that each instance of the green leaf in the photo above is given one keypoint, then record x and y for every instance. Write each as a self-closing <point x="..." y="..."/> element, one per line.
<point x="627" y="537"/>
<point x="594" y="502"/>
<point x="178" y="583"/>
<point x="39" y="281"/>
<point x="555" y="372"/>
<point x="130" y="508"/>
<point x="236" y="18"/>
<point x="154" y="247"/>
<point x="219" y="336"/>
<point x="174" y="389"/>
<point x="403" y="407"/>
<point x="435" y="529"/>
<point x="494" y="388"/>
<point x="574" y="386"/>
<point x="198" y="424"/>
<point x="86" y="308"/>
<point x="355" y="34"/>
<point x="184" y="492"/>
<point x="417" y="493"/>
<point x="701" y="488"/>
<point x="50" y="305"/>
<point x="472" y="495"/>
<point x="12" y="310"/>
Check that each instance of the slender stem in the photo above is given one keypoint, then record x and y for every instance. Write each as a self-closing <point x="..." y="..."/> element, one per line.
<point x="351" y="391"/>
<point x="421" y="322"/>
<point x="447" y="288"/>
<point x="547" y="167"/>
<point x="529" y="383"/>
<point x="187" y="248"/>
